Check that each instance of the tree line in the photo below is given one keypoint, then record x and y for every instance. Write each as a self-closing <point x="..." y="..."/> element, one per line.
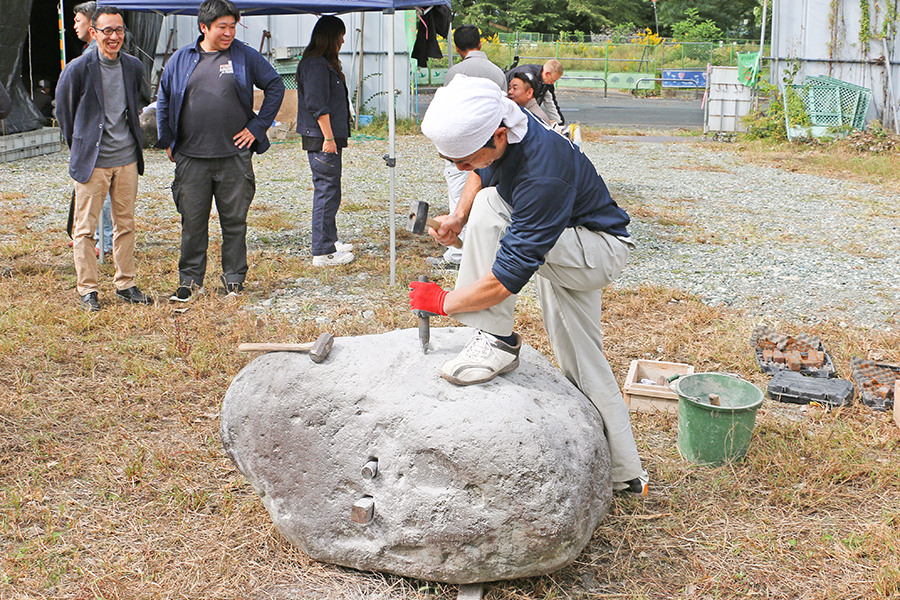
<point x="699" y="19"/>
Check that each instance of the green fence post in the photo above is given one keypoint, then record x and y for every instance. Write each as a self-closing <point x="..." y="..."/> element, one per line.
<point x="606" y="62"/>
<point x="682" y="56"/>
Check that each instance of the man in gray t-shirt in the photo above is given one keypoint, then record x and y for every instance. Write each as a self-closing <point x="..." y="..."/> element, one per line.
<point x="211" y="114"/>
<point x="209" y="130"/>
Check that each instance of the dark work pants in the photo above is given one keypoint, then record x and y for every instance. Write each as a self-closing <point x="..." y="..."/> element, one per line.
<point x="326" y="175"/>
<point x="197" y="180"/>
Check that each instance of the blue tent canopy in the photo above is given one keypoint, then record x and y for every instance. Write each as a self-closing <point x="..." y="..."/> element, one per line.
<point x="275" y="7"/>
<point x="282" y="7"/>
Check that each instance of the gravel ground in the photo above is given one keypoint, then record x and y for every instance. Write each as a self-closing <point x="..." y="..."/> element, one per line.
<point x="776" y="244"/>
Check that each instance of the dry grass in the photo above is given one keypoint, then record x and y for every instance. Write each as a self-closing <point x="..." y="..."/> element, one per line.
<point x="595" y="133"/>
<point x="114" y="484"/>
<point x="703" y="168"/>
<point x="834" y="160"/>
<point x="674" y="221"/>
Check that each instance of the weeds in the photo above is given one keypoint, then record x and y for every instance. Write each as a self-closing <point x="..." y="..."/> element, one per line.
<point x="838" y="158"/>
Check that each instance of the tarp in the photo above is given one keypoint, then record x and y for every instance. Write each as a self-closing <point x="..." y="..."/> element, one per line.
<point x="274" y="7"/>
<point x="141" y="42"/>
<point x="13" y="31"/>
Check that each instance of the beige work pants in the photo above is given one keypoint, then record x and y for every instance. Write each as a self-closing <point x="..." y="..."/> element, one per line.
<point x="121" y="183"/>
<point x="569" y="284"/>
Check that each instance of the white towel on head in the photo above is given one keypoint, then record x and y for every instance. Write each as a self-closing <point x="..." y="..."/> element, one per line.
<point x="465" y="114"/>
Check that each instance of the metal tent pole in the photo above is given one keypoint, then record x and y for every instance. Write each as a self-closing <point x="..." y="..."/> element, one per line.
<point x="774" y="43"/>
<point x="390" y="158"/>
<point x="759" y="57"/>
<point x="359" y="78"/>
<point x="62" y="38"/>
<point x="449" y="46"/>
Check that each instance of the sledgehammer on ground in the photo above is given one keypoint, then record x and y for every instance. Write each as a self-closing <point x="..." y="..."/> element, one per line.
<point x="419" y="219"/>
<point x="318" y="349"/>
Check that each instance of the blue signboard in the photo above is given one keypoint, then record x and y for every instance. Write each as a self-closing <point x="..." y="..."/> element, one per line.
<point x="677" y="78"/>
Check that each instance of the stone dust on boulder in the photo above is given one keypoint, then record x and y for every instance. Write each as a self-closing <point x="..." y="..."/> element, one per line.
<point x="371" y="460"/>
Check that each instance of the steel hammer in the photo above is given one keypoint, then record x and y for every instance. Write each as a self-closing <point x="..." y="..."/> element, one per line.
<point x="318" y="349"/>
<point x="419" y="219"/>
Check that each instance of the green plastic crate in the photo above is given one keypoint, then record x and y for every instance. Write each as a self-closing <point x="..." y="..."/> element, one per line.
<point x="822" y="102"/>
<point x="854" y="98"/>
<point x="834" y="103"/>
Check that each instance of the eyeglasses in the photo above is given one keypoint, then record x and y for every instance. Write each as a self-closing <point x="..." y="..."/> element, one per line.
<point x="108" y="31"/>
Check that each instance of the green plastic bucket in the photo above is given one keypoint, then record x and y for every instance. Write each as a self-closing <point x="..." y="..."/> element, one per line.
<point x="709" y="434"/>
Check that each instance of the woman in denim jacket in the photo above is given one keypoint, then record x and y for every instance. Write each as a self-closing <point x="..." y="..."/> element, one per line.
<point x="323" y="121"/>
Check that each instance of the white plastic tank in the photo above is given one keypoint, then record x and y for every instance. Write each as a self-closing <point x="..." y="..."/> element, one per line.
<point x="727" y="102"/>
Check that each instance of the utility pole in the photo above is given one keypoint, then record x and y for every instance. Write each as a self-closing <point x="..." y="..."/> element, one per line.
<point x="655" y="18"/>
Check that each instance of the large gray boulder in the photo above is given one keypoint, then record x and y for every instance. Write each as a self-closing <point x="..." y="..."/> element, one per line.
<point x="480" y="483"/>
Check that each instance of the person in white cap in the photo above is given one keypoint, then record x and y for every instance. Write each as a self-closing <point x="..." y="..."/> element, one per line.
<point x="534" y="205"/>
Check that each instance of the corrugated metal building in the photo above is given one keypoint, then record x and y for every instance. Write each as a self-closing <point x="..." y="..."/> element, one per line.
<point x="827" y="37"/>
<point x="290" y="33"/>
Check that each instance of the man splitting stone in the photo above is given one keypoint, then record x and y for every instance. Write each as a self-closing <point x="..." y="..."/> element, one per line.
<point x="534" y="205"/>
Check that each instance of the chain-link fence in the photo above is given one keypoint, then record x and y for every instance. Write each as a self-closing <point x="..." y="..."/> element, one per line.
<point x="596" y="55"/>
<point x="622" y="57"/>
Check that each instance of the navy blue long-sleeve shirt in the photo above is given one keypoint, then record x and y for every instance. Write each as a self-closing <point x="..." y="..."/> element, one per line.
<point x="550" y="185"/>
<point x="250" y="69"/>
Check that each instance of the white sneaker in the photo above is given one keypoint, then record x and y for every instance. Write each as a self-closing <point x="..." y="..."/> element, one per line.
<point x="330" y="260"/>
<point x="640" y="485"/>
<point x="483" y="358"/>
<point x="340" y="246"/>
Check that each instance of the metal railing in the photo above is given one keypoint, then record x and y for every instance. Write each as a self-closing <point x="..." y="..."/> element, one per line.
<point x="603" y="79"/>
<point x="695" y="85"/>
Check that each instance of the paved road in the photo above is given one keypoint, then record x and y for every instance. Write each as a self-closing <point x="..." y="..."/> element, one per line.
<point x="589" y="107"/>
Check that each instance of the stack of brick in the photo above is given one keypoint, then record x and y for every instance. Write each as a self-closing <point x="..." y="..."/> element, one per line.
<point x="876" y="381"/>
<point x="795" y="352"/>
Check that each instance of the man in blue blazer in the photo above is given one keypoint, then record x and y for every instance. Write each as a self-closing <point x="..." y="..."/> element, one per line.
<point x="97" y="109"/>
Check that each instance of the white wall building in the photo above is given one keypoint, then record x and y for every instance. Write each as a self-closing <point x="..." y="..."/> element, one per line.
<point x="290" y="33"/>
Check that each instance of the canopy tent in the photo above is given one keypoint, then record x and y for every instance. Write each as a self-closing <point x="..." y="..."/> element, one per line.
<point x="281" y="7"/>
<point x="275" y="7"/>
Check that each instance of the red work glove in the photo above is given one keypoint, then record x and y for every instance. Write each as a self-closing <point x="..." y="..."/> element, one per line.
<point x="427" y="297"/>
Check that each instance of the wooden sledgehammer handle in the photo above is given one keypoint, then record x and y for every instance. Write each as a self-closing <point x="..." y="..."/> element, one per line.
<point x="457" y="243"/>
<point x="318" y="349"/>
